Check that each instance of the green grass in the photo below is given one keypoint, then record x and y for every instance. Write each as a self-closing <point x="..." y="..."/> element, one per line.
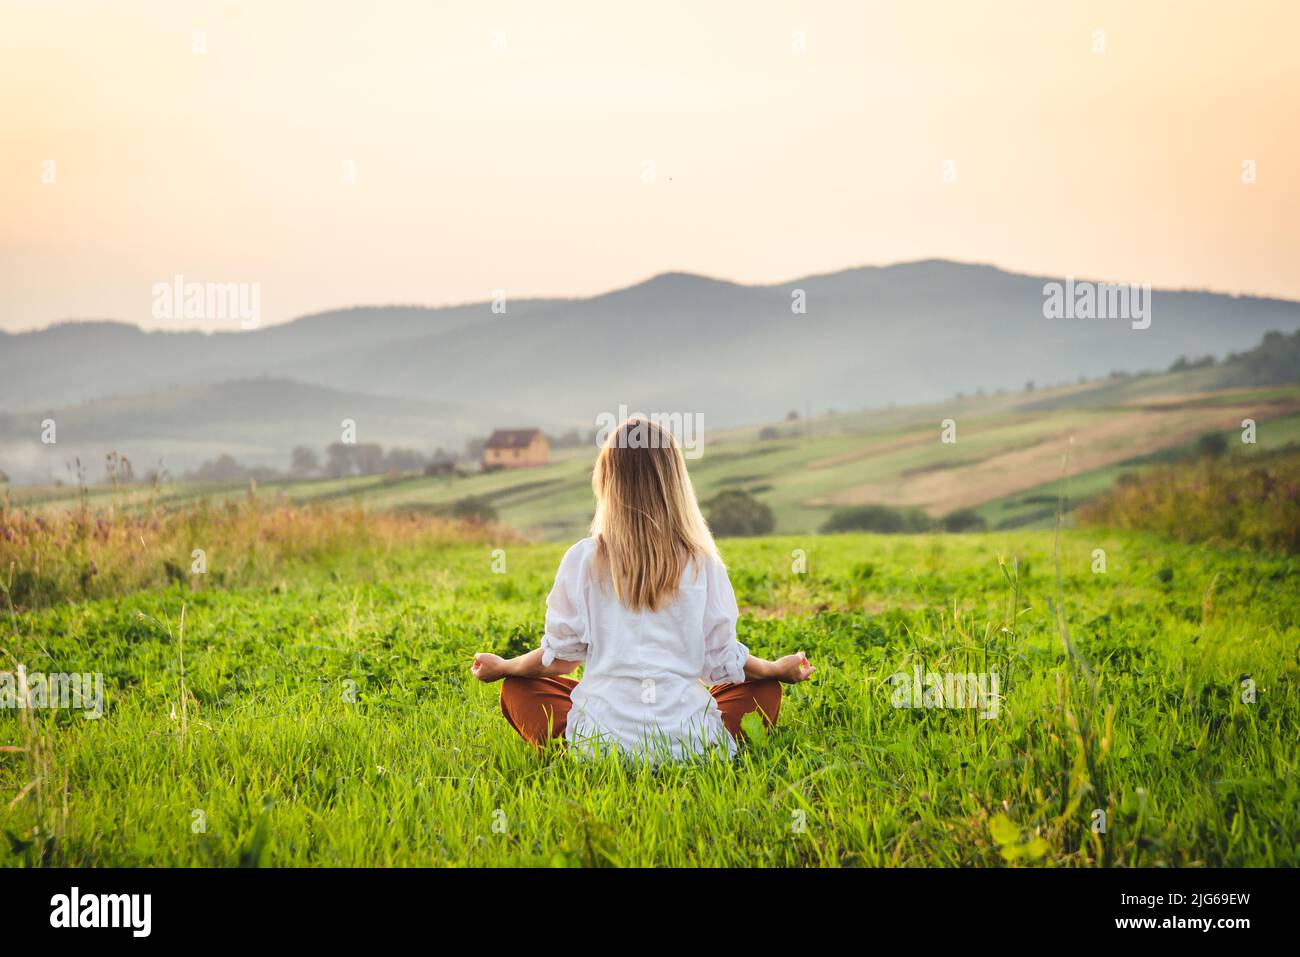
<point x="1145" y="721"/>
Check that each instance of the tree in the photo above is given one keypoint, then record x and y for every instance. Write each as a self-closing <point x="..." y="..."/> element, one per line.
<point x="1182" y="363"/>
<point x="473" y="510"/>
<point x="369" y="458"/>
<point x="303" y="461"/>
<point x="963" y="520"/>
<point x="224" y="468"/>
<point x="338" y="460"/>
<point x="1211" y="445"/>
<point x="404" y="460"/>
<point x="736" y="512"/>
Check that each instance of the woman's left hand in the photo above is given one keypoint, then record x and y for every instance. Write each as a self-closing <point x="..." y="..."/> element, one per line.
<point x="792" y="669"/>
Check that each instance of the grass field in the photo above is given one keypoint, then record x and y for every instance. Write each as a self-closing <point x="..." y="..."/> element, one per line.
<point x="319" y="711"/>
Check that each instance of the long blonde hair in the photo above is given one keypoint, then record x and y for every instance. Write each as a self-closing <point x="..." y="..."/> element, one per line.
<point x="648" y="525"/>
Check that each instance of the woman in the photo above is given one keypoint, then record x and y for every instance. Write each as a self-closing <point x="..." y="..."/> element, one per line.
<point x="646" y="605"/>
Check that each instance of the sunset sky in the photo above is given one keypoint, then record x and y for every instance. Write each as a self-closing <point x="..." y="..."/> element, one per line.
<point x="505" y="146"/>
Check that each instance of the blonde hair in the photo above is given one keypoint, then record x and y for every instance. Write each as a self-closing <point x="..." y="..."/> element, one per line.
<point x="648" y="525"/>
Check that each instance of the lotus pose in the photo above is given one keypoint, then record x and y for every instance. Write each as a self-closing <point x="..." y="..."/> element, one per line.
<point x="646" y="606"/>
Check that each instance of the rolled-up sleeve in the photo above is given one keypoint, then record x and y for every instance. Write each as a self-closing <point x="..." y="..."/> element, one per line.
<point x="724" y="655"/>
<point x="566" y="611"/>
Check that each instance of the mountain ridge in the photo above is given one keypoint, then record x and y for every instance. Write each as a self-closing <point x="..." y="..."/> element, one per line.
<point x="667" y="274"/>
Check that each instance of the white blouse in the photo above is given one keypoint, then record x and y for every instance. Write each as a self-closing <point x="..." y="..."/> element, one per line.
<point x="641" y="688"/>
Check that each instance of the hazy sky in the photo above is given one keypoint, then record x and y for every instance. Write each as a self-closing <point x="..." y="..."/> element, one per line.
<point x="504" y="146"/>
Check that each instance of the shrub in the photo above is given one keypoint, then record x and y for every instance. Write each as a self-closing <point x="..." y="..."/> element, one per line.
<point x="1211" y="445"/>
<point x="472" y="509"/>
<point x="877" y="518"/>
<point x="963" y="520"/>
<point x="1251" y="500"/>
<point x="736" y="513"/>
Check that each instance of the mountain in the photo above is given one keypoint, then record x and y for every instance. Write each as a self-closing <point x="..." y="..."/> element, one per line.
<point x="872" y="336"/>
<point x="78" y="361"/>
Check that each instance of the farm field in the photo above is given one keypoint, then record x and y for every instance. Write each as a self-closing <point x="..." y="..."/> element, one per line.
<point x="321" y="712"/>
<point x="1008" y="461"/>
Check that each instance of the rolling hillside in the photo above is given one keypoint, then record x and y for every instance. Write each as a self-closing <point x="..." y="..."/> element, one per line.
<point x="1010" y="462"/>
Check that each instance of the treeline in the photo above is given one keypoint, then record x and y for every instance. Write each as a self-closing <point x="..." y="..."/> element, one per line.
<point x="735" y="513"/>
<point x="1275" y="361"/>
<point x="345" y="459"/>
<point x="887" y="520"/>
<point x="340" y="460"/>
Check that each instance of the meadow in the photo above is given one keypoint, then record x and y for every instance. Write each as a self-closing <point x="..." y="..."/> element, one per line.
<point x="317" y="709"/>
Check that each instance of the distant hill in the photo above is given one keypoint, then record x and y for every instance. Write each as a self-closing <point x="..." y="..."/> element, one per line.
<point x="76" y="361"/>
<point x="258" y="421"/>
<point x="909" y="333"/>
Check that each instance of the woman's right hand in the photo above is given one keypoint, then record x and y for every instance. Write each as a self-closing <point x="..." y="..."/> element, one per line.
<point x="792" y="669"/>
<point x="488" y="667"/>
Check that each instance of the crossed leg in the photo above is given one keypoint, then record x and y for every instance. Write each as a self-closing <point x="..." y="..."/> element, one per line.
<point x="538" y="708"/>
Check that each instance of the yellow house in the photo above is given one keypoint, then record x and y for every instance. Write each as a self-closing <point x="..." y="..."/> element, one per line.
<point x="516" y="449"/>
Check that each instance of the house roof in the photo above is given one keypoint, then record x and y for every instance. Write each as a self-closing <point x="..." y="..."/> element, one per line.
<point x="512" y="438"/>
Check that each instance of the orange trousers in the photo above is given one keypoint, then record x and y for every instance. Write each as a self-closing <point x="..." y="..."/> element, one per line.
<point x="538" y="708"/>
